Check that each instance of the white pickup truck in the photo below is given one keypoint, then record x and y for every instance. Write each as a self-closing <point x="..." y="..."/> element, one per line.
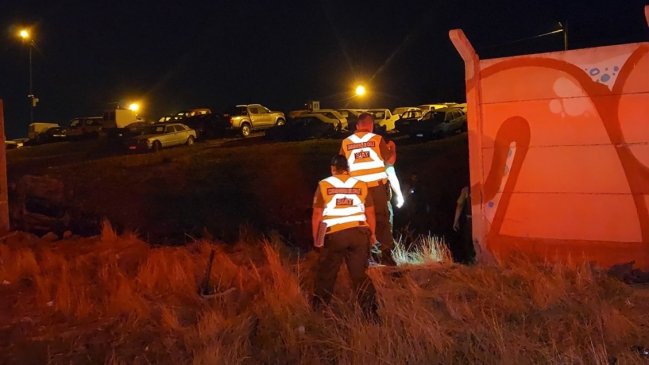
<point x="384" y="118"/>
<point x="246" y="118"/>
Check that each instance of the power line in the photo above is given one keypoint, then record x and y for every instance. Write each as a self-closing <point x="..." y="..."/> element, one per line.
<point x="562" y="30"/>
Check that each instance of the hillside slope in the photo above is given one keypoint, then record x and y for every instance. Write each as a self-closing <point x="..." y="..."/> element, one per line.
<point x="221" y="186"/>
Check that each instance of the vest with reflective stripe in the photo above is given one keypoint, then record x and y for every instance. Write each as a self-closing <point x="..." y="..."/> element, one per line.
<point x="364" y="157"/>
<point x="344" y="203"/>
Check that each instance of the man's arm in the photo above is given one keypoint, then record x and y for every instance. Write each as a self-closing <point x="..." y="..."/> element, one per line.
<point x="386" y="153"/>
<point x="371" y="221"/>
<point x="316" y="219"/>
<point x="458" y="207"/>
<point x="393" y="148"/>
<point x="316" y="216"/>
<point x="370" y="215"/>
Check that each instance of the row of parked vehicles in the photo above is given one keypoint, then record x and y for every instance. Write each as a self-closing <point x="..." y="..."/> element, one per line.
<point x="185" y="127"/>
<point x="423" y="121"/>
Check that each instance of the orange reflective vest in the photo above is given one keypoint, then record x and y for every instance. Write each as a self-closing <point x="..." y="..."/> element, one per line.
<point x="344" y="203"/>
<point x="364" y="157"/>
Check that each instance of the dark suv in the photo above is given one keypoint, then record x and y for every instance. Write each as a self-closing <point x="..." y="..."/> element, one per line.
<point x="207" y="125"/>
<point x="439" y="123"/>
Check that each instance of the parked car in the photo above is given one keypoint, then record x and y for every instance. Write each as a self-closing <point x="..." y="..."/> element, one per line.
<point x="133" y="129"/>
<point x="379" y="123"/>
<point x="207" y="125"/>
<point x="195" y="112"/>
<point x="425" y="108"/>
<point x="331" y="116"/>
<point x="159" y="136"/>
<point x="384" y="118"/>
<point x="182" y="115"/>
<point x="246" y="118"/>
<point x="174" y="118"/>
<point x="402" y="109"/>
<point x="352" y="117"/>
<point x="15" y="143"/>
<point x="84" y="127"/>
<point x="55" y="134"/>
<point x="301" y="128"/>
<point x="36" y="132"/>
<point x="402" y="125"/>
<point x="49" y="135"/>
<point x="439" y="123"/>
<point x="117" y="119"/>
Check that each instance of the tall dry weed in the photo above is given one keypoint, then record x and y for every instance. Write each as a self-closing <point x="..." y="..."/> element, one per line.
<point x="144" y="302"/>
<point x="425" y="250"/>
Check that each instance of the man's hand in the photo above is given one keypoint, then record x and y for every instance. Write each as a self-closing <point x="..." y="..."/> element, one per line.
<point x="456" y="226"/>
<point x="373" y="240"/>
<point x="400" y="201"/>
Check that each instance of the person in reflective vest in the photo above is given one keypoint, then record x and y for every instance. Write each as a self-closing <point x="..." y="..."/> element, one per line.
<point x="343" y="212"/>
<point x="366" y="154"/>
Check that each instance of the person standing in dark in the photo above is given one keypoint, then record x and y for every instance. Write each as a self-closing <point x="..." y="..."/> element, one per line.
<point x="462" y="249"/>
<point x="416" y="208"/>
<point x="343" y="211"/>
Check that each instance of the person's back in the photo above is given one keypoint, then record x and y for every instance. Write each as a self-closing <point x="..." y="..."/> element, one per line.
<point x="344" y="209"/>
<point x="365" y="157"/>
<point x="366" y="154"/>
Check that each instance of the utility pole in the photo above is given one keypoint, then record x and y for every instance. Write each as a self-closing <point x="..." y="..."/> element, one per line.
<point x="30" y="96"/>
<point x="564" y="27"/>
<point x="4" y="195"/>
<point x="26" y="36"/>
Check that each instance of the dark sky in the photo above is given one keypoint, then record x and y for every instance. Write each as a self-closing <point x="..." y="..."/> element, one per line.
<point x="181" y="54"/>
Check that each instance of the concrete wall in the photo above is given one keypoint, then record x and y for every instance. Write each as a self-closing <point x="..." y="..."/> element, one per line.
<point x="559" y="153"/>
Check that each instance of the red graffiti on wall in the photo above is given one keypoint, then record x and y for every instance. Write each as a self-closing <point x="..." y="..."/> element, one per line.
<point x="516" y="129"/>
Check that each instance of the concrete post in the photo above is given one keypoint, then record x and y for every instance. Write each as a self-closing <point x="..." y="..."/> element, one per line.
<point x="474" y="127"/>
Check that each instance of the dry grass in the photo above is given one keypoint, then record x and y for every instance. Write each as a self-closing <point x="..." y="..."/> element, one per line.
<point x="116" y="300"/>
<point x="425" y="250"/>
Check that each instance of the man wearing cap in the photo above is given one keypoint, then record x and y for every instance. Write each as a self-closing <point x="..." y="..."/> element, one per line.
<point x="344" y="215"/>
<point x="366" y="154"/>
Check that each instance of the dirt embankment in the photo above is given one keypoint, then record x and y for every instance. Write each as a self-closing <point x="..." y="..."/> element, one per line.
<point x="180" y="194"/>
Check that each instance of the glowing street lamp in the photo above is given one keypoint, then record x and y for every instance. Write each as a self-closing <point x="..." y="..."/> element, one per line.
<point x="134" y="107"/>
<point x="360" y="90"/>
<point x="24" y="34"/>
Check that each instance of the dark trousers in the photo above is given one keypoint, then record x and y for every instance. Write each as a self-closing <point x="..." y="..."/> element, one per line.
<point x="380" y="196"/>
<point x="463" y="250"/>
<point x="353" y="246"/>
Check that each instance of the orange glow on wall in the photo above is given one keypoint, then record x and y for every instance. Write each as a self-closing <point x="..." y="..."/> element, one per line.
<point x="559" y="153"/>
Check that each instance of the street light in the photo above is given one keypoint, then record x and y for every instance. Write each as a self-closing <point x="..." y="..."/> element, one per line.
<point x="134" y="107"/>
<point x="360" y="90"/>
<point x="26" y="36"/>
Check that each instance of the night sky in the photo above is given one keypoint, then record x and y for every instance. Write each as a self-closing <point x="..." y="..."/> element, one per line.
<point x="176" y="55"/>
